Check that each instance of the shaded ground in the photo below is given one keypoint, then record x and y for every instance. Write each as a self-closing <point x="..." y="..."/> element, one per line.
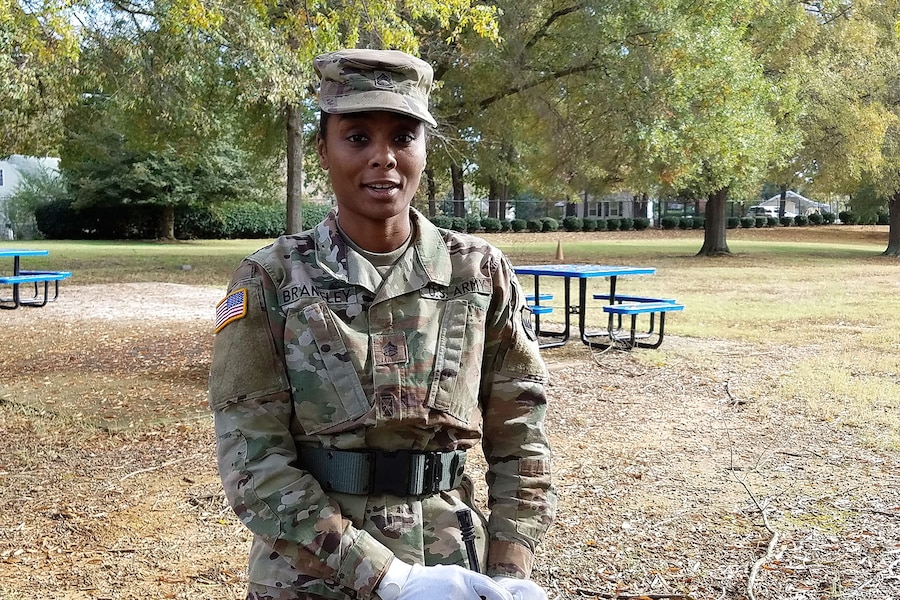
<point x="668" y="467"/>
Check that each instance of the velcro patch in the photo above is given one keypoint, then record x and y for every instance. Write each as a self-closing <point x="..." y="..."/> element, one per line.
<point x="231" y="308"/>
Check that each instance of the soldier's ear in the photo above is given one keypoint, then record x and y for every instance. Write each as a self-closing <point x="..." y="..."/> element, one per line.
<point x="322" y="151"/>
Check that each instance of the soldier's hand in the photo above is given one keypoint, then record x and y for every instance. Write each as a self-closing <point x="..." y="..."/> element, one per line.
<point x="522" y="589"/>
<point x="414" y="582"/>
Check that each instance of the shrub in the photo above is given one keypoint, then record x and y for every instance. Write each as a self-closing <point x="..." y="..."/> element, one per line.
<point x="473" y="223"/>
<point x="848" y="217"/>
<point x="491" y="224"/>
<point x="626" y="224"/>
<point x="251" y="220"/>
<point x="748" y="222"/>
<point x="505" y="225"/>
<point x="801" y="220"/>
<point x="815" y="219"/>
<point x="786" y="221"/>
<point x="698" y="223"/>
<point x="612" y="224"/>
<point x="549" y="224"/>
<point x="669" y="222"/>
<point x="442" y="221"/>
<point x="641" y="223"/>
<point x="732" y="222"/>
<point x="458" y="224"/>
<point x="685" y="223"/>
<point x="828" y="218"/>
<point x="589" y="224"/>
<point x="573" y="224"/>
<point x="535" y="225"/>
<point x="759" y="222"/>
<point x="771" y="221"/>
<point x="601" y="225"/>
<point x="518" y="224"/>
<point x="883" y="217"/>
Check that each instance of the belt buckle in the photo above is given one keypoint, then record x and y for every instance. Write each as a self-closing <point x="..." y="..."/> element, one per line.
<point x="390" y="473"/>
<point x="432" y="473"/>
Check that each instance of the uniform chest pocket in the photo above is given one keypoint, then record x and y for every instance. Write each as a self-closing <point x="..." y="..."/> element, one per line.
<point x="323" y="368"/>
<point x="457" y="370"/>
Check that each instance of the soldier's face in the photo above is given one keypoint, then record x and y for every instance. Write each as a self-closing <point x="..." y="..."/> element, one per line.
<point x="375" y="161"/>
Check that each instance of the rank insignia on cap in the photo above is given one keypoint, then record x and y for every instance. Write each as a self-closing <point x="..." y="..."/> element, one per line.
<point x="231" y="308"/>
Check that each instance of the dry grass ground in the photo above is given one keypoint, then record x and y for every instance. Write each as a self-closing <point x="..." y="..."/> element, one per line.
<point x="691" y="471"/>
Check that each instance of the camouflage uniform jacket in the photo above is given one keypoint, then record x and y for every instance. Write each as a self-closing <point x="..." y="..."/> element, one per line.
<point x="439" y="356"/>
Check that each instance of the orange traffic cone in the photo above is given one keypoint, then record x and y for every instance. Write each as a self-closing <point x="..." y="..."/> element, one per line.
<point x="559" y="251"/>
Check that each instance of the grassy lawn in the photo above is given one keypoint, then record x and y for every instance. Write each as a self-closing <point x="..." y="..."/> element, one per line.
<point x="825" y="292"/>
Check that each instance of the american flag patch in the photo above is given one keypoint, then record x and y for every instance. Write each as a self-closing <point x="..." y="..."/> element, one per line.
<point x="232" y="308"/>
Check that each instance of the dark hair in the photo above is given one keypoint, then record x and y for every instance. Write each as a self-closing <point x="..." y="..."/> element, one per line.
<point x="323" y="124"/>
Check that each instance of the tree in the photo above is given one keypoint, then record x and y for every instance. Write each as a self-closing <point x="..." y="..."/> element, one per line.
<point x="38" y="54"/>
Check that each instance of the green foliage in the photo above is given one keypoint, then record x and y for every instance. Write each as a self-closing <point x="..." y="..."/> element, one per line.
<point x="786" y="221"/>
<point x="491" y="225"/>
<point x="759" y="222"/>
<point x="442" y="221"/>
<point x="591" y="224"/>
<point x="535" y="225"/>
<point x="506" y="225"/>
<point x="63" y="219"/>
<point x="473" y="223"/>
<point x="669" y="222"/>
<point x="815" y="219"/>
<point x="573" y="224"/>
<point x="698" y="223"/>
<point x="828" y="218"/>
<point x="612" y="224"/>
<point x="801" y="220"/>
<point x="549" y="224"/>
<point x="626" y="224"/>
<point x="732" y="222"/>
<point x="771" y="221"/>
<point x="35" y="189"/>
<point x="685" y="223"/>
<point x="641" y="223"/>
<point x="848" y="217"/>
<point x="748" y="222"/>
<point x="459" y="224"/>
<point x="519" y="225"/>
<point x="883" y="217"/>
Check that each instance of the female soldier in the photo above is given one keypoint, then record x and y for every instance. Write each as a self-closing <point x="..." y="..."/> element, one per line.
<point x="355" y="363"/>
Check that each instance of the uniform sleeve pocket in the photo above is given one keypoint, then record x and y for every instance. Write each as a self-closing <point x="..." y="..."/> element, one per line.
<point x="245" y="363"/>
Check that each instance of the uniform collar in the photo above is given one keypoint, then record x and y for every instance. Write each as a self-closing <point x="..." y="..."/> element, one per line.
<point x="430" y="262"/>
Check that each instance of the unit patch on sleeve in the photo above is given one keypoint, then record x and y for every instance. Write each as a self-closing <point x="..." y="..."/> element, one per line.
<point x="232" y="308"/>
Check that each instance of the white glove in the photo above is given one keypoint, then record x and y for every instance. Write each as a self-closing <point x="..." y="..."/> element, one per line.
<point x="522" y="589"/>
<point x="403" y="581"/>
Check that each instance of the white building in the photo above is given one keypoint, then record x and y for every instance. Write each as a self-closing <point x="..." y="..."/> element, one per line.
<point x="796" y="204"/>
<point x="12" y="169"/>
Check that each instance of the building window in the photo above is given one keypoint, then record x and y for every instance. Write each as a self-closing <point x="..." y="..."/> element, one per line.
<point x="593" y="209"/>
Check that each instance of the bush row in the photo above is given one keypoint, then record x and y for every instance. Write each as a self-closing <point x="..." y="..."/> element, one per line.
<point x="60" y="220"/>
<point x="473" y="224"/>
<point x="751" y="222"/>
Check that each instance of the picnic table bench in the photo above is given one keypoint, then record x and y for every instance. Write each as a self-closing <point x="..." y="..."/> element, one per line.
<point x="21" y="277"/>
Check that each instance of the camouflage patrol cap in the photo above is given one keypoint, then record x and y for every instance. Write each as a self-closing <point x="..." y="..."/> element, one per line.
<point x="358" y="80"/>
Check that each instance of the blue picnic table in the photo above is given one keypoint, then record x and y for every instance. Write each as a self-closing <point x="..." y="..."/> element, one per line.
<point x="615" y="308"/>
<point x="19" y="277"/>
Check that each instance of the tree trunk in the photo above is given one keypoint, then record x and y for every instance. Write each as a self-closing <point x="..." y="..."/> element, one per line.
<point x="714" y="232"/>
<point x="431" y="188"/>
<point x="893" y="248"/>
<point x="782" y="204"/>
<point x="493" y="199"/>
<point x="459" y="193"/>
<point x="294" y="134"/>
<point x="166" y="225"/>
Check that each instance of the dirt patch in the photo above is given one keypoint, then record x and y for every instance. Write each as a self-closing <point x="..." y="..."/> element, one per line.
<point x="672" y="481"/>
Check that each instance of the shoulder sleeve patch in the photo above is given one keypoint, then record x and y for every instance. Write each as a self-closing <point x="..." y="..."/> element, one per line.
<point x="231" y="308"/>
